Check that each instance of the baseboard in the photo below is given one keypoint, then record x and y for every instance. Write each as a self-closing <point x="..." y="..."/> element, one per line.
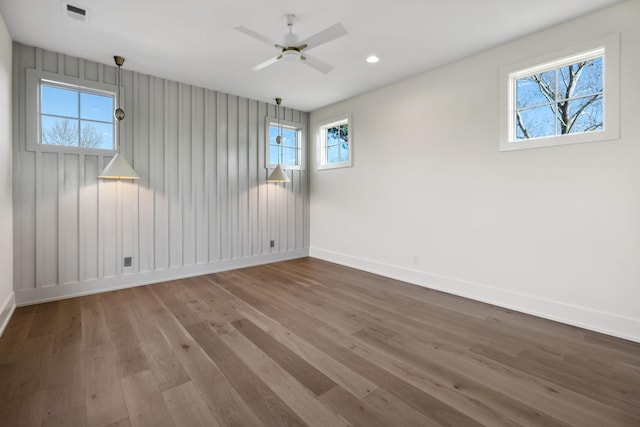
<point x="598" y="321"/>
<point x="6" y="310"/>
<point x="57" y="292"/>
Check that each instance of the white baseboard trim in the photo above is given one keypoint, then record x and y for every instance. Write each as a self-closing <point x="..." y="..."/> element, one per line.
<point x="6" y="311"/>
<point x="606" y="323"/>
<point x="70" y="290"/>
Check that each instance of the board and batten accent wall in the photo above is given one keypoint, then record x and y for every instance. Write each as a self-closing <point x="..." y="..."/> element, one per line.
<point x="201" y="204"/>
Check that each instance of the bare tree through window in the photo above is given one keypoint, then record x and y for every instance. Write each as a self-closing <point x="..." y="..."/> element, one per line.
<point x="564" y="100"/>
<point x="64" y="132"/>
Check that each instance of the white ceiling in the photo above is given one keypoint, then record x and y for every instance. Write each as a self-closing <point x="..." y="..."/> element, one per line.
<point x="193" y="41"/>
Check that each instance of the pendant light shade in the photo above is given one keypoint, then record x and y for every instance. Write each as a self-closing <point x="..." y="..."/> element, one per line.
<point x="119" y="167"/>
<point x="278" y="174"/>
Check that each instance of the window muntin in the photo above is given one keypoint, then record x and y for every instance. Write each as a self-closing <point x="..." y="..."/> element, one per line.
<point x="568" y="98"/>
<point x="74" y="116"/>
<point x="545" y="115"/>
<point x="289" y="152"/>
<point x="334" y="144"/>
<point x="337" y="143"/>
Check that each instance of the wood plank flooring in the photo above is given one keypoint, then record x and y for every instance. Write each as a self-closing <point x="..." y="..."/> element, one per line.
<point x="306" y="343"/>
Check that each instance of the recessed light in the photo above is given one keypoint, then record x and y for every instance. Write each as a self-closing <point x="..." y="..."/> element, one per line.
<point x="372" y="59"/>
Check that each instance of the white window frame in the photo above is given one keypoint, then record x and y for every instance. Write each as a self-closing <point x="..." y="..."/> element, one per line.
<point x="609" y="48"/>
<point x="34" y="79"/>
<point x="321" y="142"/>
<point x="299" y="127"/>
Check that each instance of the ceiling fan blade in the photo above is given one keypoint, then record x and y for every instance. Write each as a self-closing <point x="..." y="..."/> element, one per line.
<point x="319" y="65"/>
<point x="257" y="36"/>
<point x="266" y="63"/>
<point x="324" y="36"/>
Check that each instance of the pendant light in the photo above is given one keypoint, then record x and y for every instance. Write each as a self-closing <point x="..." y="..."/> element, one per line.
<point x="278" y="174"/>
<point x="119" y="167"/>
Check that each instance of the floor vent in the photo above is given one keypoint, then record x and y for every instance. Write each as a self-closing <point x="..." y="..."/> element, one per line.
<point x="76" y="12"/>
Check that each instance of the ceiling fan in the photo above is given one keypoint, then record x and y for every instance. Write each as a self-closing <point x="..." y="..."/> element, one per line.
<point x="293" y="49"/>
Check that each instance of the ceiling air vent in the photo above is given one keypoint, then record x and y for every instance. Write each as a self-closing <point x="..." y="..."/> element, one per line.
<point x="75" y="12"/>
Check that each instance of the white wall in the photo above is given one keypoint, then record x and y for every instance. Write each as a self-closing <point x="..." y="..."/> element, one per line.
<point x="7" y="300"/>
<point x="431" y="200"/>
<point x="201" y="205"/>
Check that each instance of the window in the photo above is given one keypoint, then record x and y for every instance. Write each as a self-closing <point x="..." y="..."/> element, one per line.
<point x="289" y="152"/>
<point x="75" y="117"/>
<point x="334" y="143"/>
<point x="67" y="115"/>
<point x="562" y="101"/>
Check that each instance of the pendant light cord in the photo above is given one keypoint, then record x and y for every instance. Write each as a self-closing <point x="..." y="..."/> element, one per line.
<point x="279" y="138"/>
<point x="279" y="133"/>
<point x="118" y="78"/>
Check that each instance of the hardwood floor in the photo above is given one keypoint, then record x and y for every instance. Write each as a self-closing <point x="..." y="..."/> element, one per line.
<point x="306" y="342"/>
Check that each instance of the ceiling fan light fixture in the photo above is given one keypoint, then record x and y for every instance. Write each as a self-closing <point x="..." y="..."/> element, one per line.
<point x="290" y="54"/>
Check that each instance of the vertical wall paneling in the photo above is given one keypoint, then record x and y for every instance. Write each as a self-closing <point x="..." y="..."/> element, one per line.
<point x="49" y="61"/>
<point x="69" y="224"/>
<point x="301" y="202"/>
<point x="198" y="166"/>
<point x="39" y="234"/>
<point x="291" y="200"/>
<point x="80" y="255"/>
<point x="151" y="197"/>
<point x="186" y="176"/>
<point x="211" y="175"/>
<point x="128" y="195"/>
<point x="61" y="60"/>
<point x="71" y="65"/>
<point x="89" y="220"/>
<point x="108" y="224"/>
<point x="39" y="247"/>
<point x="272" y="202"/>
<point x="35" y="59"/>
<point x="100" y="218"/>
<point x="120" y="218"/>
<point x="304" y="200"/>
<point x="252" y="163"/>
<point x="222" y="177"/>
<point x="201" y="204"/>
<point x="172" y="172"/>
<point x="91" y="71"/>
<point x="281" y="210"/>
<point x="48" y="212"/>
<point x="143" y="246"/>
<point x="62" y="227"/>
<point x="263" y="190"/>
<point x="232" y="159"/>
<point x="306" y="237"/>
<point x="158" y="181"/>
<point x="81" y="69"/>
<point x="243" y="179"/>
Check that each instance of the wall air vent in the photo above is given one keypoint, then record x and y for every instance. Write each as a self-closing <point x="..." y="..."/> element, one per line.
<point x="75" y="12"/>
